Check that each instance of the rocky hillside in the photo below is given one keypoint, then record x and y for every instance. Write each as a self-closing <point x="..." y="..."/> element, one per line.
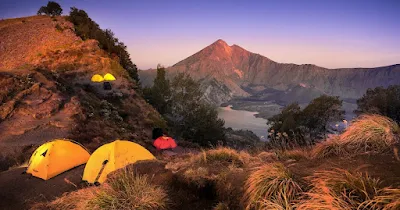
<point x="46" y="93"/>
<point x="240" y="73"/>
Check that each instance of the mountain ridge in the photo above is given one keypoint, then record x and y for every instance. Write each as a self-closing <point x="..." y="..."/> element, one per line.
<point x="246" y="74"/>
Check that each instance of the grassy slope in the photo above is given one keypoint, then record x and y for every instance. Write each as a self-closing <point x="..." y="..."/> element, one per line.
<point x="295" y="179"/>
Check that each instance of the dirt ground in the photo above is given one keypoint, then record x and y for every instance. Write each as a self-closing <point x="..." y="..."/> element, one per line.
<point x="19" y="190"/>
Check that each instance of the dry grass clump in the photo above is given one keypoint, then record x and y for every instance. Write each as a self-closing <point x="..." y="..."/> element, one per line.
<point x="328" y="148"/>
<point x="368" y="133"/>
<point x="271" y="186"/>
<point x="127" y="190"/>
<point x="74" y="200"/>
<point x="340" y="189"/>
<point x="222" y="155"/>
<point x="221" y="206"/>
<point x="267" y="156"/>
<point x="296" y="154"/>
<point x="388" y="199"/>
<point x="124" y="190"/>
<point x="219" y="173"/>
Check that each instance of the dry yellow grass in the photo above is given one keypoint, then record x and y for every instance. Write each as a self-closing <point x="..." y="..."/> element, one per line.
<point x="368" y="133"/>
<point x="267" y="156"/>
<point x="74" y="200"/>
<point x="221" y="206"/>
<point x="296" y="154"/>
<point x="221" y="155"/>
<point x="388" y="199"/>
<point x="327" y="148"/>
<point x="124" y="190"/>
<point x="271" y="187"/>
<point x="339" y="189"/>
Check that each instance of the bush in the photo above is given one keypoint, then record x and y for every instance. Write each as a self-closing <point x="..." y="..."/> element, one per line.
<point x="59" y="28"/>
<point x="368" y="133"/>
<point x="52" y="8"/>
<point x="272" y="186"/>
<point x="129" y="191"/>
<point x="191" y="117"/>
<point x="181" y="103"/>
<point x="382" y="101"/>
<point x="294" y="127"/>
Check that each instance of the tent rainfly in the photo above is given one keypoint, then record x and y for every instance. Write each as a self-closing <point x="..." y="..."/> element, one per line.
<point x="55" y="157"/>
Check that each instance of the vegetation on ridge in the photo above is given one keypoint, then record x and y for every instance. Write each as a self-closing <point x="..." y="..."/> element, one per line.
<point x="294" y="126"/>
<point x="382" y="101"/>
<point x="52" y="8"/>
<point x="86" y="28"/>
<point x="188" y="115"/>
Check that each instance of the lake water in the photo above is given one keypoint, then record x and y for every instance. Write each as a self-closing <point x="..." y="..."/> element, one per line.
<point x="240" y="119"/>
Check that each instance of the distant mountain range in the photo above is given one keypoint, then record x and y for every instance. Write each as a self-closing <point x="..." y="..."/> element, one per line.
<point x="253" y="82"/>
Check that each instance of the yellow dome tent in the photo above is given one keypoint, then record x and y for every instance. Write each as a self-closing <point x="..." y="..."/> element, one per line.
<point x="97" y="78"/>
<point x="111" y="157"/>
<point x="55" y="157"/>
<point x="109" y="77"/>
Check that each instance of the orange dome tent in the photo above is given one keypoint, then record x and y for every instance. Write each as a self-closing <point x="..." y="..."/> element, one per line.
<point x="111" y="157"/>
<point x="55" y="157"/>
<point x="164" y="142"/>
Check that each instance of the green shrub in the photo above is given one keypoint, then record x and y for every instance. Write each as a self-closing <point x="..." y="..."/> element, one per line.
<point x="59" y="28"/>
<point x="52" y="8"/>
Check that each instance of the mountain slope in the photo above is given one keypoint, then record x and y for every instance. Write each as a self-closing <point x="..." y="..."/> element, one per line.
<point x="45" y="72"/>
<point x="248" y="74"/>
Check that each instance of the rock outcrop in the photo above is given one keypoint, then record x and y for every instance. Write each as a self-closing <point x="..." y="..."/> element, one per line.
<point x="45" y="72"/>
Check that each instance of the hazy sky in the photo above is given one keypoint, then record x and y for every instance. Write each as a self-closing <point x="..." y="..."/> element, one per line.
<point x="337" y="33"/>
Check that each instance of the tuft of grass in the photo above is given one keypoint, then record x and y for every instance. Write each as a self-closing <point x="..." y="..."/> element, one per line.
<point x="328" y="148"/>
<point x="271" y="186"/>
<point x="267" y="156"/>
<point x="339" y="189"/>
<point x="368" y="133"/>
<point x="388" y="199"/>
<point x="221" y="206"/>
<point x="295" y="154"/>
<point x="74" y="200"/>
<point x="126" y="190"/>
<point x="221" y="155"/>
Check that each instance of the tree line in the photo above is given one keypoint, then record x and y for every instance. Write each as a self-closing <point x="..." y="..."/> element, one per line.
<point x="294" y="127"/>
<point x="188" y="116"/>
